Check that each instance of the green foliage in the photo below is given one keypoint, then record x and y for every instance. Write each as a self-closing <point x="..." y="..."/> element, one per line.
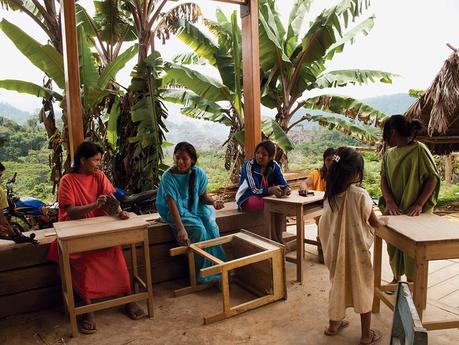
<point x="19" y="140"/>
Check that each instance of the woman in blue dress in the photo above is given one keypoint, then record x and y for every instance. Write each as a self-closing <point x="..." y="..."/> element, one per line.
<point x="183" y="203"/>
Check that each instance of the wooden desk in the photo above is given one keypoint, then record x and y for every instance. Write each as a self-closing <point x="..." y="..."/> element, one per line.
<point x="426" y="237"/>
<point x="294" y="205"/>
<point x="96" y="233"/>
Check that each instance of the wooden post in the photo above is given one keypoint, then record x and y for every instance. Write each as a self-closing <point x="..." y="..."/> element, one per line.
<point x="72" y="75"/>
<point x="251" y="78"/>
<point x="448" y="159"/>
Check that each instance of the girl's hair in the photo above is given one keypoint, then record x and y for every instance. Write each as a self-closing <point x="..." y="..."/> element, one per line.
<point x="190" y="151"/>
<point x="269" y="146"/>
<point x="347" y="163"/>
<point x="86" y="149"/>
<point x="402" y="125"/>
<point x="328" y="152"/>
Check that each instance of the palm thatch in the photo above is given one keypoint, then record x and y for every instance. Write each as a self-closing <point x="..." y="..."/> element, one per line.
<point x="438" y="109"/>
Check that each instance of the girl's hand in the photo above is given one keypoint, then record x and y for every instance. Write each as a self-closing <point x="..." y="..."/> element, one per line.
<point x="101" y="200"/>
<point x="218" y="204"/>
<point x="123" y="215"/>
<point x="288" y="191"/>
<point x="415" y="210"/>
<point x="392" y="209"/>
<point x="276" y="190"/>
<point x="182" y="237"/>
<point x="383" y="221"/>
<point x="303" y="187"/>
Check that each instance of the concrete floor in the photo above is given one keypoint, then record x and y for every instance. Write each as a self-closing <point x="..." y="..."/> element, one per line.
<point x="298" y="320"/>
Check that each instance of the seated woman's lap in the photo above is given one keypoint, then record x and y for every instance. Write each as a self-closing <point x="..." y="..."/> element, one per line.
<point x="253" y="204"/>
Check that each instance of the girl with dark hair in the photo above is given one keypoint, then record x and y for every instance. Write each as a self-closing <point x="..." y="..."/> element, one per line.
<point x="100" y="273"/>
<point x="317" y="178"/>
<point x="317" y="181"/>
<point x="346" y="231"/>
<point x="410" y="182"/>
<point x="262" y="176"/>
<point x="183" y="203"/>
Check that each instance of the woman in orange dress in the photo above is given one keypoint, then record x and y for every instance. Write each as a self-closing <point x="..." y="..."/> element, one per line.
<point x="100" y="273"/>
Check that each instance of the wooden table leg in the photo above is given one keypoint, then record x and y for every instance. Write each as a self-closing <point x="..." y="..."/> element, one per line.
<point x="299" y="243"/>
<point x="68" y="296"/>
<point x="268" y="220"/>
<point x="377" y="262"/>
<point x="135" y="271"/>
<point x="420" y="280"/>
<point x="149" y="283"/>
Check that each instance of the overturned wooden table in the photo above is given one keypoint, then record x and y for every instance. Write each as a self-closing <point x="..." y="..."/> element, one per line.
<point x="304" y="208"/>
<point x="255" y="263"/>
<point x="82" y="235"/>
<point x="424" y="238"/>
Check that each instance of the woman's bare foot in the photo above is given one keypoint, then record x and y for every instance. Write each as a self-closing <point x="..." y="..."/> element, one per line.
<point x="373" y="337"/>
<point x="133" y="311"/>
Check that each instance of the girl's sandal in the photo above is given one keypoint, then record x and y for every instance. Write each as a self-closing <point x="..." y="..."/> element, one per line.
<point x="86" y="326"/>
<point x="343" y="324"/>
<point x="134" y="312"/>
<point x="376" y="336"/>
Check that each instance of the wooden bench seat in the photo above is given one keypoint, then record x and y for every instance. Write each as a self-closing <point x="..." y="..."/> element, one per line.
<point x="29" y="282"/>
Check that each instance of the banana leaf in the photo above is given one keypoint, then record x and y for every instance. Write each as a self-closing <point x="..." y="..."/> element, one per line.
<point x="45" y="57"/>
<point x="29" y="88"/>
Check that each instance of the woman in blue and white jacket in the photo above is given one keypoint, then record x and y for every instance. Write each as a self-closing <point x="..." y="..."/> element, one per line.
<point x="262" y="176"/>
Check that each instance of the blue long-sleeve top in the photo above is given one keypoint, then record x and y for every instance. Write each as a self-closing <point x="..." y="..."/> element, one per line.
<point x="251" y="177"/>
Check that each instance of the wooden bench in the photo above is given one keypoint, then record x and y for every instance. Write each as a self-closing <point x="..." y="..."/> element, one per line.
<point x="29" y="282"/>
<point x="407" y="328"/>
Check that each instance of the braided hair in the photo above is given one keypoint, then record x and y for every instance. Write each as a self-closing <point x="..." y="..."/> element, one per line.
<point x="190" y="151"/>
<point x="403" y="126"/>
<point x="347" y="163"/>
<point x="86" y="149"/>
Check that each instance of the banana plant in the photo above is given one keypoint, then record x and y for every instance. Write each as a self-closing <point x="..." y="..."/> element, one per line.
<point x="294" y="65"/>
<point x="215" y="99"/>
<point x="139" y="160"/>
<point x="95" y="85"/>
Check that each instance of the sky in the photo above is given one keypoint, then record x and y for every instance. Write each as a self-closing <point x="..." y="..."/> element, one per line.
<point x="409" y="39"/>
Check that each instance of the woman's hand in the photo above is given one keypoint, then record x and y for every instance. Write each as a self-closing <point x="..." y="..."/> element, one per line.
<point x="276" y="190"/>
<point x="101" y="200"/>
<point x="182" y="237"/>
<point x="123" y="215"/>
<point x="392" y="209"/>
<point x="218" y="204"/>
<point x="288" y="190"/>
<point x="414" y="210"/>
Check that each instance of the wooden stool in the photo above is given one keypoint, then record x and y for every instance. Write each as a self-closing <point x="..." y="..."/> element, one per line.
<point x="96" y="233"/>
<point x="258" y="265"/>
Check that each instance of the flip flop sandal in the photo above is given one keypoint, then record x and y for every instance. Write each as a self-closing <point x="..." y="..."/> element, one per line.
<point x="134" y="313"/>
<point x="87" y="327"/>
<point x="376" y="336"/>
<point x="343" y="324"/>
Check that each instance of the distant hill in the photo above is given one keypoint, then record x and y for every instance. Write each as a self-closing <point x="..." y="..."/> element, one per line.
<point x="391" y="104"/>
<point x="13" y="113"/>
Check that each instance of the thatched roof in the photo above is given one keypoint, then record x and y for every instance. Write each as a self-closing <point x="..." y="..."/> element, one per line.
<point x="438" y="109"/>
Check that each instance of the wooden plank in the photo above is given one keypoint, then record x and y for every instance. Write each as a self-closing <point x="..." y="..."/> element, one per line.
<point x="73" y="107"/>
<point x="295" y="198"/>
<point x="30" y="301"/>
<point x="29" y="278"/>
<point x="206" y="255"/>
<point x="251" y="76"/>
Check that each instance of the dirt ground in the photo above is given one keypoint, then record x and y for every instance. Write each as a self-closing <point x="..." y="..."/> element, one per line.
<point x="298" y="320"/>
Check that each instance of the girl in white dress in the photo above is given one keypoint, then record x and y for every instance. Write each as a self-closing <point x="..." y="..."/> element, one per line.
<point x="346" y="231"/>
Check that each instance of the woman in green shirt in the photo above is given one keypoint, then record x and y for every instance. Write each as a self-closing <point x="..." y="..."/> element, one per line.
<point x="409" y="182"/>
